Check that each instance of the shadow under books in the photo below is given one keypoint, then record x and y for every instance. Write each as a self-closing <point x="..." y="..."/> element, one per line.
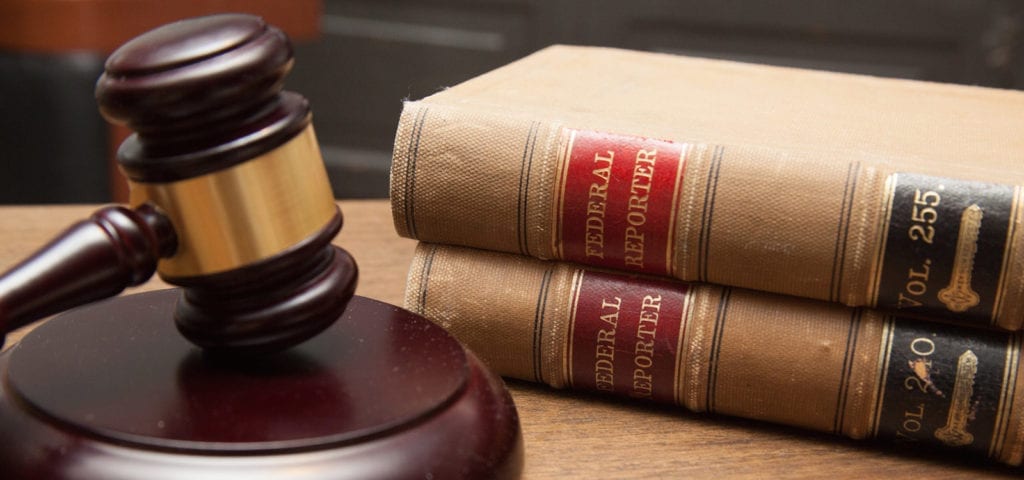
<point x="876" y="448"/>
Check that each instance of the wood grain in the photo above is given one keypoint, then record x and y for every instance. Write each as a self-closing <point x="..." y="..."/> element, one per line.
<point x="574" y="435"/>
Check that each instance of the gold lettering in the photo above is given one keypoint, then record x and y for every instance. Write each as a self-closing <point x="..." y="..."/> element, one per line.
<point x="637" y="203"/>
<point x="904" y="301"/>
<point x="643" y="383"/>
<point x="598" y="194"/>
<point x="604" y="172"/>
<point x="643" y="349"/>
<point x="651" y="302"/>
<point x="646" y="156"/>
<point x="594" y="239"/>
<point x="617" y="304"/>
<point x="643" y="172"/>
<point x="604" y="363"/>
<point x="604" y="375"/>
<point x="634" y="247"/>
<point x="596" y="205"/>
<point x="636" y="218"/>
<point x="604" y="371"/>
<point x="611" y="318"/>
<point x="915" y="287"/>
<point x="649" y="312"/>
<point x="636" y="215"/>
<point x="911" y="423"/>
<point x="648" y="325"/>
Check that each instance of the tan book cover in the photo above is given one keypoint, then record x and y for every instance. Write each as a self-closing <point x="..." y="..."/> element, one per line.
<point x="896" y="194"/>
<point x="806" y="363"/>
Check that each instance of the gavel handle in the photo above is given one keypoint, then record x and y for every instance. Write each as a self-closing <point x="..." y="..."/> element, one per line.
<point x="115" y="248"/>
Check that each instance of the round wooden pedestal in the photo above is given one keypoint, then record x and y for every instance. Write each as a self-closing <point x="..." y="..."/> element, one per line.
<point x="112" y="391"/>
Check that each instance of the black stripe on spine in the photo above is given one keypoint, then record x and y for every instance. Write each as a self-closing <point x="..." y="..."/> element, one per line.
<point x="716" y="347"/>
<point x="843" y="231"/>
<point x="538" y="324"/>
<point x="703" y="246"/>
<point x="410" y="177"/>
<point x="847" y="369"/>
<point x="524" y="188"/>
<point x="428" y="263"/>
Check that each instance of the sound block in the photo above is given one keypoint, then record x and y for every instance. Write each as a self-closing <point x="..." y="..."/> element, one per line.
<point x="112" y="391"/>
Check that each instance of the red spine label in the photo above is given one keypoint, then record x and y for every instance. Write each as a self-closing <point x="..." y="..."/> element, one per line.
<point x="618" y="200"/>
<point x="625" y="335"/>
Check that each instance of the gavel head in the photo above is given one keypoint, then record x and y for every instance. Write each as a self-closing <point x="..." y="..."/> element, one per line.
<point x="233" y="163"/>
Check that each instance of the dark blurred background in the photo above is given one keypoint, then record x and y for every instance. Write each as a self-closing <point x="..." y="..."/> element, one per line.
<point x="357" y="60"/>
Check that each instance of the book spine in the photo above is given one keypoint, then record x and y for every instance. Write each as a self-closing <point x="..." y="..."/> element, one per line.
<point x="800" y="362"/>
<point x="837" y="226"/>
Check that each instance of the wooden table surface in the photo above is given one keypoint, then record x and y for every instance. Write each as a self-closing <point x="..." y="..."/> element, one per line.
<point x="573" y="435"/>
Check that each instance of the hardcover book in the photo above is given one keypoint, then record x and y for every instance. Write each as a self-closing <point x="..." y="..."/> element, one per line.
<point x="897" y="194"/>
<point x="812" y="364"/>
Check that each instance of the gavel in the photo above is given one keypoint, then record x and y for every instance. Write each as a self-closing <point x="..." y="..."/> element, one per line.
<point x="295" y="375"/>
<point x="230" y="195"/>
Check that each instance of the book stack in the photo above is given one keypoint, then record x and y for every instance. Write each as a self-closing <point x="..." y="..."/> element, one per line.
<point x="836" y="252"/>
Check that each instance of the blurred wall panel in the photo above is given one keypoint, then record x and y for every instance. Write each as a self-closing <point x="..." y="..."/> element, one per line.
<point x="53" y="142"/>
<point x="372" y="54"/>
<point x="54" y="146"/>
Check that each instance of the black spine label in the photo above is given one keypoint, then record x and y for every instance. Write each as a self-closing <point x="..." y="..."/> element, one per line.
<point x="945" y="385"/>
<point x="943" y="249"/>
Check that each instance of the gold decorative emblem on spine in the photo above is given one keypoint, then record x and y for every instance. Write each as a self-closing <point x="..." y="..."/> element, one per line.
<point x="955" y="433"/>
<point x="958" y="295"/>
<point x="245" y="213"/>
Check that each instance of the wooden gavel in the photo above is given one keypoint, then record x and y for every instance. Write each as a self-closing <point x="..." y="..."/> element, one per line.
<point x="231" y="202"/>
<point x="230" y="197"/>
